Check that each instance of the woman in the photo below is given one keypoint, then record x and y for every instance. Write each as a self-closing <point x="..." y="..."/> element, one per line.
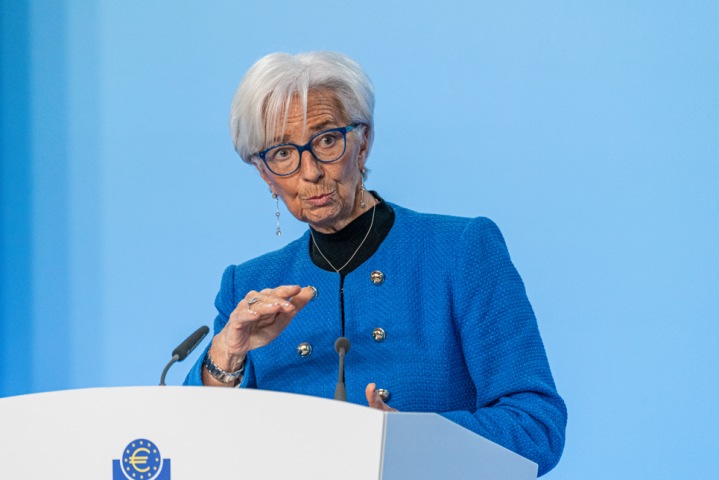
<point x="437" y="315"/>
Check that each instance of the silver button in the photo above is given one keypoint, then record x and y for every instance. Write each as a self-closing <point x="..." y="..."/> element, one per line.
<point x="305" y="349"/>
<point x="377" y="277"/>
<point x="383" y="394"/>
<point x="379" y="335"/>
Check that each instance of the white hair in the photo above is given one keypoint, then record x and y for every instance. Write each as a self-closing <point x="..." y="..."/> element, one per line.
<point x="263" y="97"/>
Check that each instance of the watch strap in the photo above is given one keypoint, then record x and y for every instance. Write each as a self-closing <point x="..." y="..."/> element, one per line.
<point x="219" y="374"/>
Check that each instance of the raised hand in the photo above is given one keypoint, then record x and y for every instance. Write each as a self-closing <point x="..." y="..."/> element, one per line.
<point x="258" y="319"/>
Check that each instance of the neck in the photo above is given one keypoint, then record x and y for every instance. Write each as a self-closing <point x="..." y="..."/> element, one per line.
<point x="370" y="202"/>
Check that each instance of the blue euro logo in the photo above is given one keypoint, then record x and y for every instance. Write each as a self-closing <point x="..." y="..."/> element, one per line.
<point x="141" y="460"/>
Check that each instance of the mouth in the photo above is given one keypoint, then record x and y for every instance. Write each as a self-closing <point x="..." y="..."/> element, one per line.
<point x="319" y="200"/>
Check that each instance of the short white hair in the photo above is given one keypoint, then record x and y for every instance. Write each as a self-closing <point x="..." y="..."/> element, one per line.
<point x="264" y="95"/>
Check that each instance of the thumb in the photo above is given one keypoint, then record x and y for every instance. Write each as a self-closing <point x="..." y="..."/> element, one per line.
<point x="374" y="400"/>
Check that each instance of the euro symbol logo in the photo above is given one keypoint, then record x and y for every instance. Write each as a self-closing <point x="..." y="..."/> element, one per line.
<point x="135" y="460"/>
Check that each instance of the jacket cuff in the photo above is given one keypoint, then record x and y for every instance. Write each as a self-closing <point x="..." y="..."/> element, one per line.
<point x="194" y="376"/>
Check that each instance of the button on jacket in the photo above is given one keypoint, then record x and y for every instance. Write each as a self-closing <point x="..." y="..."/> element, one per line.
<point x="462" y="339"/>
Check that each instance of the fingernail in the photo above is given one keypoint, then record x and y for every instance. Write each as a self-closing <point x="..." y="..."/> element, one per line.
<point x="287" y="304"/>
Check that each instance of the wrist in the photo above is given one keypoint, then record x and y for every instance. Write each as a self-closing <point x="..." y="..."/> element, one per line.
<point x="227" y="360"/>
<point x="218" y="374"/>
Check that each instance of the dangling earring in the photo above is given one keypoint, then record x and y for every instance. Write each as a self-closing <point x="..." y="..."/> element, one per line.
<point x="362" y="204"/>
<point x="274" y="195"/>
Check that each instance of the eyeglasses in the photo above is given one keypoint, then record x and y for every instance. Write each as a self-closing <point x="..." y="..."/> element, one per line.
<point x="327" y="147"/>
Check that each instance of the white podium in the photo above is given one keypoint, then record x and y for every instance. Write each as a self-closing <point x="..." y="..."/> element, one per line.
<point x="180" y="433"/>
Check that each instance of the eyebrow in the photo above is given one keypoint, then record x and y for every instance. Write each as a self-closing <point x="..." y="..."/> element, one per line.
<point x="313" y="130"/>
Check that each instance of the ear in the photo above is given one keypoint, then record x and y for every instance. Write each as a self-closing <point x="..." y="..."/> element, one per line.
<point x="263" y="173"/>
<point x="362" y="158"/>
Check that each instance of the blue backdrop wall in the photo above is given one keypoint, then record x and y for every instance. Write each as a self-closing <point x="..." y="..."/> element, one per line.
<point x="588" y="131"/>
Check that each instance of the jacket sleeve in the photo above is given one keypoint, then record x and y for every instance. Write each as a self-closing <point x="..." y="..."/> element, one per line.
<point x="517" y="406"/>
<point x="225" y="304"/>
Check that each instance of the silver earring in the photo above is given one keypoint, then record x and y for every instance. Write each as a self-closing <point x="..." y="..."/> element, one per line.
<point x="274" y="195"/>
<point x="362" y="204"/>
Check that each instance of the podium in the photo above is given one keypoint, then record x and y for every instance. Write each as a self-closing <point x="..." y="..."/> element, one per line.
<point x="179" y="433"/>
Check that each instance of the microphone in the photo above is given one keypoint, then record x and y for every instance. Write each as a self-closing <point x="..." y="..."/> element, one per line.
<point x="342" y="346"/>
<point x="185" y="348"/>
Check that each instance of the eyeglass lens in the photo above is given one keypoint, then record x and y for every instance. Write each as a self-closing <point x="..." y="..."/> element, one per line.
<point x="327" y="147"/>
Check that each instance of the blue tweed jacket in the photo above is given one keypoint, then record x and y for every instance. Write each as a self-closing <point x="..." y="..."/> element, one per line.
<point x="461" y="336"/>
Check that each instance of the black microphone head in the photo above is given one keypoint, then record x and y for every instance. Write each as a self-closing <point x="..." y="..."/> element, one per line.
<point x="342" y="342"/>
<point x="189" y="345"/>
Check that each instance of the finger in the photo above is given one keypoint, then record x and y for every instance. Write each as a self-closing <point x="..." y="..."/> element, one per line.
<point x="243" y="314"/>
<point x="268" y="308"/>
<point x="279" y="305"/>
<point x="250" y="294"/>
<point x="273" y="299"/>
<point x="303" y="297"/>
<point x="285" y="291"/>
<point x="272" y="295"/>
<point x="268" y="298"/>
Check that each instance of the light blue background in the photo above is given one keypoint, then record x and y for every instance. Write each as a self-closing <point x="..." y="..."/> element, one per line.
<point x="589" y="131"/>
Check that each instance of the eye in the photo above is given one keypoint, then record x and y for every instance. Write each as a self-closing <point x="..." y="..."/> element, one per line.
<point x="281" y="154"/>
<point x="327" y="140"/>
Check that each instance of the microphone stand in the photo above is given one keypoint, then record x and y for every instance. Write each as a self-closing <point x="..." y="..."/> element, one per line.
<point x="342" y="346"/>
<point x="164" y="372"/>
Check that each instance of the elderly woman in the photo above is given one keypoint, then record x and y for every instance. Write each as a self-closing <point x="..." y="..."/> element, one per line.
<point x="436" y="313"/>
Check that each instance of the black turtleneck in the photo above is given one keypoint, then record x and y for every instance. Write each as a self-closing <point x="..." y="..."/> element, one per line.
<point x="338" y="247"/>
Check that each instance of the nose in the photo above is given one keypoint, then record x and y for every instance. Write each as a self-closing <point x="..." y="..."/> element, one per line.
<point x="310" y="168"/>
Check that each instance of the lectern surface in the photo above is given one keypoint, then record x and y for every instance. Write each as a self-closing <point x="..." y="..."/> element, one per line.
<point x="175" y="433"/>
<point x="204" y="432"/>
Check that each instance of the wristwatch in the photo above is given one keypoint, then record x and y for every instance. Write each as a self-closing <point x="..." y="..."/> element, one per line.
<point x="219" y="374"/>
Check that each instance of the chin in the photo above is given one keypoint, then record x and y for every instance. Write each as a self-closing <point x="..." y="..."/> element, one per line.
<point x="322" y="219"/>
<point x="326" y="214"/>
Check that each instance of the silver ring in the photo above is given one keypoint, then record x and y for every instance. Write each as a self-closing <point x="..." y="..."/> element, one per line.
<point x="252" y="301"/>
<point x="314" y="293"/>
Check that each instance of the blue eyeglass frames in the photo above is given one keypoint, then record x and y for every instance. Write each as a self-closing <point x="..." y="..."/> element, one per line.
<point x="326" y="147"/>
